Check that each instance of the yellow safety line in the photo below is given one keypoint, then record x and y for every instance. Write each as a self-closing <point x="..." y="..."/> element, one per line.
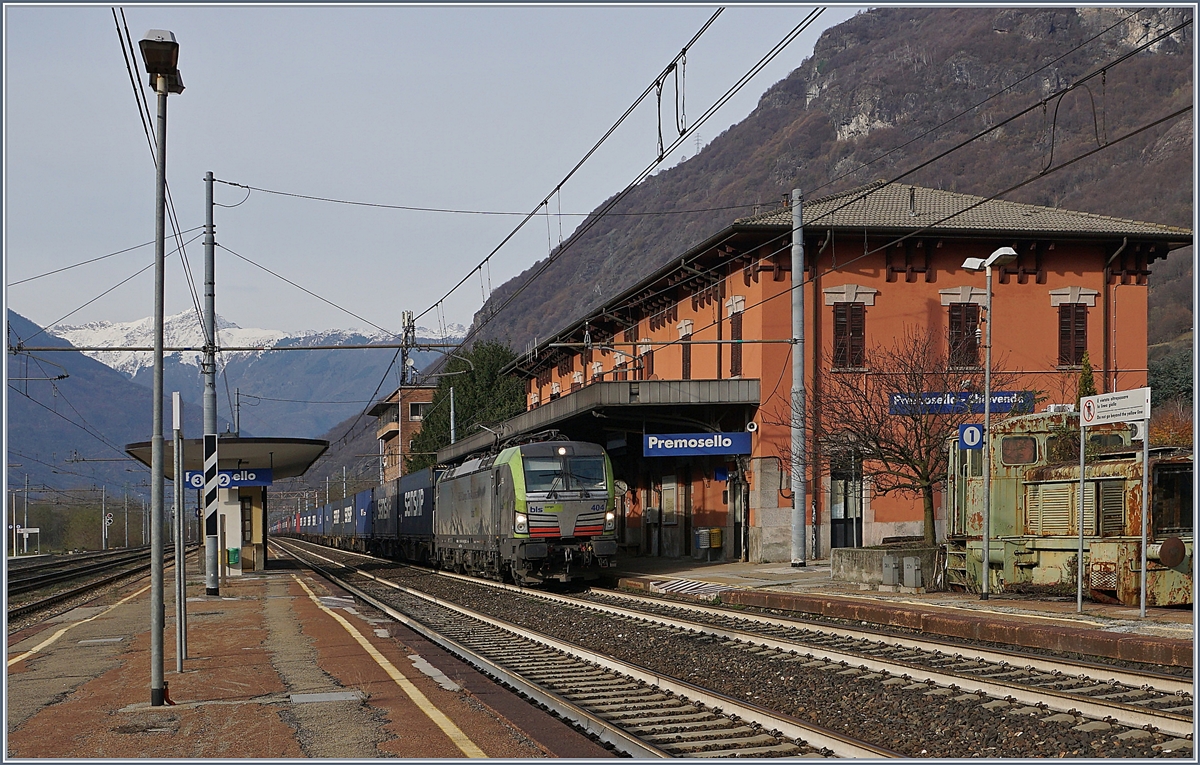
<point x="456" y="735"/>
<point x="63" y="631"/>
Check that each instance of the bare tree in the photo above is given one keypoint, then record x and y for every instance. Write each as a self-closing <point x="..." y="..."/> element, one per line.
<point x="899" y="416"/>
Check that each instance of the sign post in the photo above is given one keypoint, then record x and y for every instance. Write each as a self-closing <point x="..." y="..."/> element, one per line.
<point x="1121" y="406"/>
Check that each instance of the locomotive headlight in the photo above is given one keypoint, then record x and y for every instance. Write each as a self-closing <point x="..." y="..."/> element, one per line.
<point x="610" y="521"/>
<point x="522" y="524"/>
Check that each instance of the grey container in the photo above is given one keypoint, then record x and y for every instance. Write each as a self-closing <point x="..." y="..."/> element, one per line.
<point x="891" y="570"/>
<point x="912" y="572"/>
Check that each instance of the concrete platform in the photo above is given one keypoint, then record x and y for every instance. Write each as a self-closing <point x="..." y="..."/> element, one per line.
<point x="282" y="665"/>
<point x="1165" y="636"/>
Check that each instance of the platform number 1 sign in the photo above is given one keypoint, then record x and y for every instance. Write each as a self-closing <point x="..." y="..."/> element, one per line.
<point x="970" y="437"/>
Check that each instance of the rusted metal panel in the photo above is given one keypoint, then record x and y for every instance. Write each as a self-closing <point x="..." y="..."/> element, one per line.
<point x="1035" y="509"/>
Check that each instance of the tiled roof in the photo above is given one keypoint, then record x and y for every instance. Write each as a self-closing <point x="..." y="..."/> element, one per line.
<point x="881" y="205"/>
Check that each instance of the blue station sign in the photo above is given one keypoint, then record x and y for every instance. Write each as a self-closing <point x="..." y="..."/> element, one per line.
<point x="230" y="478"/>
<point x="960" y="402"/>
<point x="694" y="444"/>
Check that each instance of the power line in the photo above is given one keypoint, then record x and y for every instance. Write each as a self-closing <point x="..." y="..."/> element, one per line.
<point x="92" y="260"/>
<point x="102" y="294"/>
<point x="307" y="291"/>
<point x="453" y="211"/>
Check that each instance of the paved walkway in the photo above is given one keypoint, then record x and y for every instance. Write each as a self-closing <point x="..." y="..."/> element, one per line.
<point x="282" y="665"/>
<point x="813" y="586"/>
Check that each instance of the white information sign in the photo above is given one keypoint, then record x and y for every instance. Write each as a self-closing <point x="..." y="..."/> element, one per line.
<point x="1122" y="406"/>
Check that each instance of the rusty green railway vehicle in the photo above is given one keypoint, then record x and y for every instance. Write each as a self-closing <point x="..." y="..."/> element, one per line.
<point x="1035" y="512"/>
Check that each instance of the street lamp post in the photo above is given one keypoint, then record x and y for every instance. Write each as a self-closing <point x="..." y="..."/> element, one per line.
<point x="160" y="52"/>
<point x="1000" y="257"/>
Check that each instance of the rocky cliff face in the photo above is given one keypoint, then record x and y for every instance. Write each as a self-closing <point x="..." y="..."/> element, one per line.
<point x="886" y="92"/>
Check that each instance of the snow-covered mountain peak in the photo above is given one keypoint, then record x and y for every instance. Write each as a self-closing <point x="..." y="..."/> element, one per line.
<point x="184" y="330"/>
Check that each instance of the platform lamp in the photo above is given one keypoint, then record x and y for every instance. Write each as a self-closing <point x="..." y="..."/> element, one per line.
<point x="1000" y="257"/>
<point x="160" y="53"/>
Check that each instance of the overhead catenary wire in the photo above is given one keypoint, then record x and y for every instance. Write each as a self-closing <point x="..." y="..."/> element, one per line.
<point x="571" y="173"/>
<point x="975" y="106"/>
<point x="787" y="39"/>
<point x="1057" y="94"/>
<point x="983" y="200"/>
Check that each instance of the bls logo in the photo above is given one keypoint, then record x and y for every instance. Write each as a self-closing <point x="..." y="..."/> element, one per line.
<point x="414" y="501"/>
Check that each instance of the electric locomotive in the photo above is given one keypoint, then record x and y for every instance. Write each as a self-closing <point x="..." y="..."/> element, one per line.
<point x="534" y="512"/>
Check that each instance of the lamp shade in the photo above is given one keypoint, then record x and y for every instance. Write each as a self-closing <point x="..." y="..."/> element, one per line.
<point x="160" y="52"/>
<point x="1002" y="257"/>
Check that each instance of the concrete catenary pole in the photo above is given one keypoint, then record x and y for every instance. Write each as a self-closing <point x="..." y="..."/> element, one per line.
<point x="799" y="459"/>
<point x="157" y="616"/>
<point x="211" y="575"/>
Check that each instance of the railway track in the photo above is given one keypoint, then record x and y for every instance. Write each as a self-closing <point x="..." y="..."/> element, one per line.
<point x="638" y="712"/>
<point x="68" y="580"/>
<point x="944" y="709"/>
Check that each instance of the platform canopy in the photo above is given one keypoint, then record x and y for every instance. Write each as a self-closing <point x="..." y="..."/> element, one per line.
<point x="286" y="457"/>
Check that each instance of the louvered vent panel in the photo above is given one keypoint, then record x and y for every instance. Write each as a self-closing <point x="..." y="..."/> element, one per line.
<point x="1032" y="508"/>
<point x="1112" y="508"/>
<point x="1056" y="509"/>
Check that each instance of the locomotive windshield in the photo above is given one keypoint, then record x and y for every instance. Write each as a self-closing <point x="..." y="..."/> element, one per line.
<point x="564" y="473"/>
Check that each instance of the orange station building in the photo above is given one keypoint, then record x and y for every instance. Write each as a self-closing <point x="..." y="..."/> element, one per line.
<point x="703" y="346"/>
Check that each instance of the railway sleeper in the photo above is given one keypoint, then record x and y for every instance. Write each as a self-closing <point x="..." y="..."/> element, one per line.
<point x="577" y="674"/>
<point x="699" y="733"/>
<point x="622" y="692"/>
<point x="665" y="709"/>
<point x="746" y="746"/>
<point x="697" y="716"/>
<point x="592" y="686"/>
<point x="779" y="750"/>
<point x="654" y="702"/>
<point x="705" y="724"/>
<point x="702" y="735"/>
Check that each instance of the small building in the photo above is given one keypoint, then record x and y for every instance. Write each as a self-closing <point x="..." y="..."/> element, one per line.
<point x="703" y="347"/>
<point x="399" y="421"/>
<point x="247" y="467"/>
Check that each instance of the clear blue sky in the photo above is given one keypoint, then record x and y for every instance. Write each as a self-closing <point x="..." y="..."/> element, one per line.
<point x="463" y="108"/>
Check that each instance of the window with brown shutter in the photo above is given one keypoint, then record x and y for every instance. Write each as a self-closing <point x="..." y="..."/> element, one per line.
<point x="964" y="347"/>
<point x="1072" y="334"/>
<point x="735" y="350"/>
<point x="648" y="362"/>
<point x="687" y="356"/>
<point x="849" y="335"/>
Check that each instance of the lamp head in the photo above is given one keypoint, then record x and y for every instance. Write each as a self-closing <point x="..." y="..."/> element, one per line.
<point x="1001" y="257"/>
<point x="160" y="54"/>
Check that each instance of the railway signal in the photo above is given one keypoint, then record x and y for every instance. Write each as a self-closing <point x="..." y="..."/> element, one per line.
<point x="108" y="519"/>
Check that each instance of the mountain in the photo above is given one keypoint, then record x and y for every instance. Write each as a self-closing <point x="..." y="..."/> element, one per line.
<point x="883" y="94"/>
<point x="71" y="432"/>
<point x="295" y="394"/>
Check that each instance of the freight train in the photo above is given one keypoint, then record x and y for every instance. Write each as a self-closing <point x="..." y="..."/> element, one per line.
<point x="1035" y="512"/>
<point x="532" y="513"/>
